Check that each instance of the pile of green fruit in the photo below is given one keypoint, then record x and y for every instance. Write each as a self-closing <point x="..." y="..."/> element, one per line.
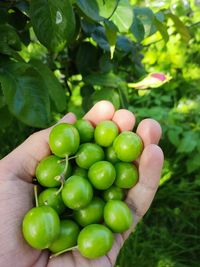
<point x="82" y="188"/>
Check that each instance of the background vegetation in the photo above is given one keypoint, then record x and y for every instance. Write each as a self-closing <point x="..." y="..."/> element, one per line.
<point x="60" y="56"/>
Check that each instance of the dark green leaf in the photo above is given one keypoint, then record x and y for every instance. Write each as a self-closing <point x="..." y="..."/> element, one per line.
<point x="188" y="142"/>
<point x="180" y="27"/>
<point x="26" y="94"/>
<point x="5" y="117"/>
<point x="123" y="94"/>
<point x="53" y="22"/>
<point x="111" y="34"/>
<point x="107" y="94"/>
<point x="55" y="89"/>
<point x="99" y="36"/>
<point x="97" y="10"/>
<point x="86" y="58"/>
<point x="104" y="80"/>
<point x="137" y="29"/>
<point x="146" y="16"/>
<point x="162" y="29"/>
<point x="9" y="39"/>
<point x="123" y="16"/>
<point x="193" y="163"/>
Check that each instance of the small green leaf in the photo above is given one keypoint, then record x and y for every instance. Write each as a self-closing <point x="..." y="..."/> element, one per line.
<point x="104" y="80"/>
<point x="180" y="27"/>
<point x="53" y="22"/>
<point x="123" y="16"/>
<point x="55" y="89"/>
<point x="111" y="34"/>
<point x="162" y="29"/>
<point x="193" y="163"/>
<point x="188" y="142"/>
<point x="137" y="29"/>
<point x="9" y="40"/>
<point x="25" y="93"/>
<point x="97" y="10"/>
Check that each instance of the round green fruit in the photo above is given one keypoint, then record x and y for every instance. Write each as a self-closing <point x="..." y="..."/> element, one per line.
<point x="113" y="192"/>
<point x="67" y="238"/>
<point x="128" y="146"/>
<point x="88" y="154"/>
<point x="111" y="155"/>
<point x="105" y="133"/>
<point x="126" y="175"/>
<point x="117" y="216"/>
<point x="93" y="213"/>
<point x="94" y="241"/>
<point x="85" y="129"/>
<point x="64" y="140"/>
<point x="41" y="226"/>
<point x="102" y="175"/>
<point x="77" y="192"/>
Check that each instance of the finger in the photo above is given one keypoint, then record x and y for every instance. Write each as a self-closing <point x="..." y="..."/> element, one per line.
<point x="140" y="197"/>
<point x="150" y="131"/>
<point x="103" y="110"/>
<point x="124" y="119"/>
<point x="23" y="160"/>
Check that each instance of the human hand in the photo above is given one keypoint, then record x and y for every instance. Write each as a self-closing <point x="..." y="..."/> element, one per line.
<point x="16" y="190"/>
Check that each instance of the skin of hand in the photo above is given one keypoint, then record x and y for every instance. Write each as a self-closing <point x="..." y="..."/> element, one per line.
<point x="16" y="190"/>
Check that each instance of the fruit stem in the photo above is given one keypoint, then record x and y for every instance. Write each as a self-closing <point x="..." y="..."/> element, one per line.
<point x="35" y="188"/>
<point x="62" y="251"/>
<point x="61" y="177"/>
<point x="63" y="160"/>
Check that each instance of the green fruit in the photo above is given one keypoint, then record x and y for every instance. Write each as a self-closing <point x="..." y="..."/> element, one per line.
<point x="64" y="140"/>
<point x="77" y="192"/>
<point x="126" y="175"/>
<point x="88" y="154"/>
<point x="49" y="197"/>
<point x="95" y="240"/>
<point x="49" y="168"/>
<point x="111" y="155"/>
<point x="93" y="213"/>
<point x="78" y="171"/>
<point x="102" y="175"/>
<point x="67" y="238"/>
<point x="85" y="129"/>
<point x="113" y="192"/>
<point x="41" y="226"/>
<point x="128" y="146"/>
<point x="105" y="133"/>
<point x="117" y="216"/>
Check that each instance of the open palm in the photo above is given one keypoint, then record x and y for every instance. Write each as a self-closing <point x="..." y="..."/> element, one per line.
<point x="16" y="190"/>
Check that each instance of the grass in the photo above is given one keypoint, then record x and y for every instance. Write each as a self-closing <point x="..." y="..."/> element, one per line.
<point x="169" y="234"/>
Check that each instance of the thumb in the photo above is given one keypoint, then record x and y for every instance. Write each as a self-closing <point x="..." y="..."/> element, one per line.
<point x="22" y="161"/>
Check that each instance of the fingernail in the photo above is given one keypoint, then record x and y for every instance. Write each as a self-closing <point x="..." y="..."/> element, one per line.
<point x="69" y="117"/>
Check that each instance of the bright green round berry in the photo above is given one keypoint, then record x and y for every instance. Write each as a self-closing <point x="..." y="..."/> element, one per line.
<point x="126" y="175"/>
<point x="105" y="133"/>
<point x="85" y="129"/>
<point x="113" y="192"/>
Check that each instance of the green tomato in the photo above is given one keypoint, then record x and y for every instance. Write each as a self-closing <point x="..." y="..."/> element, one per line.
<point x="80" y="172"/>
<point x="41" y="226"/>
<point x="49" y="168"/>
<point x="64" y="140"/>
<point x="88" y="154"/>
<point x="126" y="175"/>
<point x="117" y="216"/>
<point x="105" y="133"/>
<point x="85" y="129"/>
<point x="102" y="175"/>
<point x="111" y="155"/>
<point x="113" y="192"/>
<point x="95" y="240"/>
<point x="93" y="213"/>
<point x="128" y="146"/>
<point x="67" y="238"/>
<point x="49" y="197"/>
<point x="77" y="192"/>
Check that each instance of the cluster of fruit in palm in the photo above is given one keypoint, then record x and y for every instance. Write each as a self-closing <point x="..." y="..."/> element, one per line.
<point x="83" y="185"/>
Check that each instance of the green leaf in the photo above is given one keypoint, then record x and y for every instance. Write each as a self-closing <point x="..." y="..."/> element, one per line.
<point x="55" y="89"/>
<point x="162" y="29"/>
<point x="97" y="10"/>
<point x="86" y="58"/>
<point x="137" y="29"/>
<point x="104" y="80"/>
<point x="111" y="34"/>
<point x="5" y="117"/>
<point x="9" y="40"/>
<point x="123" y="16"/>
<point x="25" y="93"/>
<point x="146" y="16"/>
<point x="193" y="163"/>
<point x="53" y="22"/>
<point x="188" y="142"/>
<point x="180" y="27"/>
<point x="107" y="94"/>
<point x="99" y="36"/>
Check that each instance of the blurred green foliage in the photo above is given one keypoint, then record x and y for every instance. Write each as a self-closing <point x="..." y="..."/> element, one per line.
<point x="92" y="50"/>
